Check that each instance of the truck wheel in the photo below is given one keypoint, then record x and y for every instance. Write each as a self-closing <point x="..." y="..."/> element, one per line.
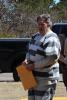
<point x="15" y="75"/>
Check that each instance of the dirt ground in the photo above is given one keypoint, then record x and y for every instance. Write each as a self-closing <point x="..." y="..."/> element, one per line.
<point x="15" y="91"/>
<point x="10" y="90"/>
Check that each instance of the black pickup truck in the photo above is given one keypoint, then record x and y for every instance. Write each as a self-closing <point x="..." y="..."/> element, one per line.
<point x="13" y="51"/>
<point x="60" y="28"/>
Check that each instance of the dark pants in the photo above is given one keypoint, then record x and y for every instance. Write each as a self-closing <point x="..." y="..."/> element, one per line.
<point x="64" y="73"/>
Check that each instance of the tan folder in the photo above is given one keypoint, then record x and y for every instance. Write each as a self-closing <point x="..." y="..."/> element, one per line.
<point x="26" y="77"/>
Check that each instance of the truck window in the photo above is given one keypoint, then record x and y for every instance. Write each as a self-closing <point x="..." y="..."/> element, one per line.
<point x="60" y="29"/>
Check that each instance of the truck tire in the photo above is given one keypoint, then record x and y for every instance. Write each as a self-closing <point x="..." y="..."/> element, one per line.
<point x="15" y="75"/>
<point x="17" y="62"/>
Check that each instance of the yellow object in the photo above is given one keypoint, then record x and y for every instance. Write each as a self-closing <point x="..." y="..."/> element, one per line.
<point x="55" y="98"/>
<point x="60" y="98"/>
<point x="26" y="77"/>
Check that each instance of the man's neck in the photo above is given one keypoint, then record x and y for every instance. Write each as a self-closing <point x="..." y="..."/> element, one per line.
<point x="45" y="31"/>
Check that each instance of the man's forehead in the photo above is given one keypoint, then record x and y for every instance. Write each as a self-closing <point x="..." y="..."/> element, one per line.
<point x="41" y="21"/>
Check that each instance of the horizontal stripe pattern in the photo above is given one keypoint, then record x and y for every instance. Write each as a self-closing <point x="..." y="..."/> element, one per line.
<point x="32" y="52"/>
<point x="46" y="74"/>
<point x="35" y="92"/>
<point x="41" y="52"/>
<point x="42" y="46"/>
<point x="42" y="74"/>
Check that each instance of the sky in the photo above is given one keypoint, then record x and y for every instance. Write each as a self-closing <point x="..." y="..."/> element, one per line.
<point x="56" y="1"/>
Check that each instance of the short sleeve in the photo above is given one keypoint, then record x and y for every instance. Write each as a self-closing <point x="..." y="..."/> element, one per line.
<point x="52" y="47"/>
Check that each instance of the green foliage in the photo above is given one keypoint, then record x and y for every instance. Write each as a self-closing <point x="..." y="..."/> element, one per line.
<point x="5" y="35"/>
<point x="61" y="10"/>
<point x="24" y="16"/>
<point x="36" y="5"/>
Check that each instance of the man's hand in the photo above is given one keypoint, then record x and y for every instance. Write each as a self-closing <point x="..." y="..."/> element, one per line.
<point x="61" y="58"/>
<point x="30" y="66"/>
<point x="25" y="61"/>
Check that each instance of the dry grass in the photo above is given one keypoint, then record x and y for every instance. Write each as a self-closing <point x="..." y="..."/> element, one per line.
<point x="15" y="91"/>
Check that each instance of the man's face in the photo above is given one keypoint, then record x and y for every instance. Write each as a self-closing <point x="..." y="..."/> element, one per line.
<point x="42" y="26"/>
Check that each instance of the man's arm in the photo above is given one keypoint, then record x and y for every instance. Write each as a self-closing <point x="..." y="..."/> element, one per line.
<point x="49" y="60"/>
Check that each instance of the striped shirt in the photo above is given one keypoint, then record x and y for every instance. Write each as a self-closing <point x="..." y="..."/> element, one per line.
<point x="44" y="51"/>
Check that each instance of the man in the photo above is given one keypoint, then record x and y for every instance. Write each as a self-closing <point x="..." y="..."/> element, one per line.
<point x="65" y="67"/>
<point x="42" y="59"/>
<point x="63" y="61"/>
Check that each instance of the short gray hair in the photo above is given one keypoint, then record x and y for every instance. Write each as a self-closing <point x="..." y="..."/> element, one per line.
<point x="46" y="18"/>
